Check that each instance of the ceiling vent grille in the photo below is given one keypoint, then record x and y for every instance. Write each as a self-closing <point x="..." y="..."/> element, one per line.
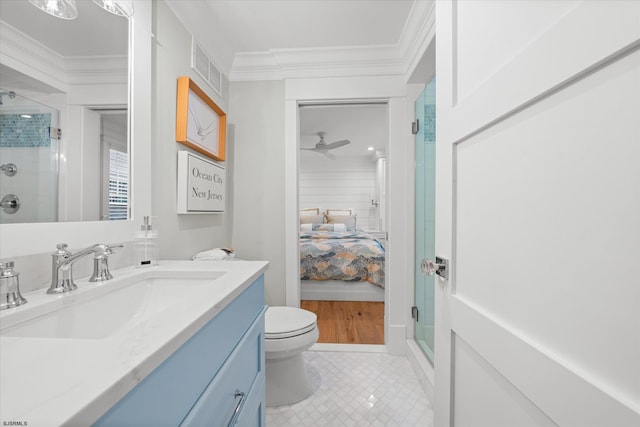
<point x="203" y="65"/>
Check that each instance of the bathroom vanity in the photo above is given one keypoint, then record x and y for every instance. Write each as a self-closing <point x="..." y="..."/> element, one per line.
<point x="176" y="344"/>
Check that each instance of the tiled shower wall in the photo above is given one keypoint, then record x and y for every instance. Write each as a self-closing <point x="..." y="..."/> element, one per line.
<point x="25" y="142"/>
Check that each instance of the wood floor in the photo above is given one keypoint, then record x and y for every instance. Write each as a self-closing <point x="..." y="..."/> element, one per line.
<point x="348" y="322"/>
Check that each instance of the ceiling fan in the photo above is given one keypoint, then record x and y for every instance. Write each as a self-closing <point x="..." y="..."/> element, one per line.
<point x="323" y="148"/>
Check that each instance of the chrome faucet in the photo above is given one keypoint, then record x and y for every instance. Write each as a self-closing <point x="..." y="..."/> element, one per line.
<point x="9" y="287"/>
<point x="62" y="263"/>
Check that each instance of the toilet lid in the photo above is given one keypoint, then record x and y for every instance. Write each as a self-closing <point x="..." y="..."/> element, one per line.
<point x="285" y="322"/>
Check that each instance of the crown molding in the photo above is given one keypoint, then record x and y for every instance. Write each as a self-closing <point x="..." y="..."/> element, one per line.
<point x="28" y="56"/>
<point x="31" y="58"/>
<point x="82" y="70"/>
<point x="419" y="32"/>
<point x="398" y="59"/>
<point x="280" y="64"/>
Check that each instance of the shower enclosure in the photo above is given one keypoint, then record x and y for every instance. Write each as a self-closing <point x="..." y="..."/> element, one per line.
<point x="425" y="151"/>
<point x="28" y="160"/>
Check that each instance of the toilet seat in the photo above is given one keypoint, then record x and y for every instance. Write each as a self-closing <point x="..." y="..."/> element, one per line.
<point x="288" y="322"/>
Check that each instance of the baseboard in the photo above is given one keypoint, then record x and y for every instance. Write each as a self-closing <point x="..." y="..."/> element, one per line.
<point x="362" y="348"/>
<point x="337" y="290"/>
<point x="422" y="368"/>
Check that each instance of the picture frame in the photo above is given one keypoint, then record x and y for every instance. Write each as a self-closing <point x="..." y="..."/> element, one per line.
<point x="201" y="185"/>
<point x="200" y="123"/>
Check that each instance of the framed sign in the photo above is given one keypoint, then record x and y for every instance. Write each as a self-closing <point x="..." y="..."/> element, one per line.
<point x="200" y="123"/>
<point x="201" y="185"/>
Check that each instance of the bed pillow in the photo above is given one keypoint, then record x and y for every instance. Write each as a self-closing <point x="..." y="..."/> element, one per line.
<point x="310" y="211"/>
<point x="348" y="220"/>
<point x="328" y="227"/>
<point x="311" y="219"/>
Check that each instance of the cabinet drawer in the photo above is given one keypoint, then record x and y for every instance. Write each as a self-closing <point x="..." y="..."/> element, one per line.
<point x="217" y="404"/>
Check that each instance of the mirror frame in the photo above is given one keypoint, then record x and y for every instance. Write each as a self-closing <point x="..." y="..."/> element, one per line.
<point x="36" y="238"/>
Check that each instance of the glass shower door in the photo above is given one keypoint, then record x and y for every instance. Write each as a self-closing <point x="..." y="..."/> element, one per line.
<point x="425" y="149"/>
<point x="28" y="149"/>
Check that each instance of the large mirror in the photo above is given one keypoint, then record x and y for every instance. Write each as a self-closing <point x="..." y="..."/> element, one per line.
<point x="64" y="102"/>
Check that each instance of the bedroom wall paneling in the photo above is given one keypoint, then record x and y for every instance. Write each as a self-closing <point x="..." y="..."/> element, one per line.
<point x="537" y="183"/>
<point x="399" y="193"/>
<point x="339" y="183"/>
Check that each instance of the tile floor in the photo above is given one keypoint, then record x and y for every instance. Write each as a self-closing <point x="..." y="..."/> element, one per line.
<point x="357" y="389"/>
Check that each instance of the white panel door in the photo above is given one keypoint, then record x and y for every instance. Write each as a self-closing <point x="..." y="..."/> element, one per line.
<point x="538" y="209"/>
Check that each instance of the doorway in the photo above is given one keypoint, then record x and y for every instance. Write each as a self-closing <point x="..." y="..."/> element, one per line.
<point x="342" y="205"/>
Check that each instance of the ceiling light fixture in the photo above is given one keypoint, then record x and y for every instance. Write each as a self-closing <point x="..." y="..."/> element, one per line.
<point x="67" y="9"/>
<point x="117" y="7"/>
<point x="64" y="9"/>
<point x="370" y="148"/>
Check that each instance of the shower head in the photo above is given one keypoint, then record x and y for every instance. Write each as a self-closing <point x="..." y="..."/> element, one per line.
<point x="11" y="94"/>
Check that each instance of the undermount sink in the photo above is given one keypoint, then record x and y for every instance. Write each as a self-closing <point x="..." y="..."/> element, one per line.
<point x="102" y="310"/>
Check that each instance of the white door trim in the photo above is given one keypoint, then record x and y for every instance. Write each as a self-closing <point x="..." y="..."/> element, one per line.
<point x="393" y="89"/>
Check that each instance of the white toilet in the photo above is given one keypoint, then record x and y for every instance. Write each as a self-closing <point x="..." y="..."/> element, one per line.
<point x="288" y="332"/>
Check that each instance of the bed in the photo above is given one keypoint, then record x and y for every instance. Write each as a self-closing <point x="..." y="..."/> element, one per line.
<point x="340" y="263"/>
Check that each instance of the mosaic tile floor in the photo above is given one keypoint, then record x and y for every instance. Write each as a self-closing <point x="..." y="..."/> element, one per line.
<point x="357" y="389"/>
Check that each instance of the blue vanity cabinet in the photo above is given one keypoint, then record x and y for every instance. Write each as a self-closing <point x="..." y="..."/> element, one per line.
<point x="237" y="384"/>
<point x="218" y="370"/>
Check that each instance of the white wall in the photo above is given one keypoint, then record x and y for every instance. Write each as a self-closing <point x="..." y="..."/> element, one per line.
<point x="180" y="236"/>
<point x="256" y="139"/>
<point x="341" y="183"/>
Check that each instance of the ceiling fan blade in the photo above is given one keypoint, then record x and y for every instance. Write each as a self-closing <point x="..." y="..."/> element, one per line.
<point x="337" y="144"/>
<point x="329" y="155"/>
<point x="310" y="149"/>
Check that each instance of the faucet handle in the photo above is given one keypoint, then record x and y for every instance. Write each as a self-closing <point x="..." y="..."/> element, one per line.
<point x="62" y="250"/>
<point x="6" y="269"/>
<point x="101" y="265"/>
<point x="110" y="248"/>
<point x="102" y="250"/>
<point x="10" y="287"/>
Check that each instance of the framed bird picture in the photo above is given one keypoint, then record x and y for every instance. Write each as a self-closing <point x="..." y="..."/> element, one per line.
<point x="200" y="123"/>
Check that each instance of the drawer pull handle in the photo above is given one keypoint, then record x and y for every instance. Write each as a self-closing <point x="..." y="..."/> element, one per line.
<point x="236" y="412"/>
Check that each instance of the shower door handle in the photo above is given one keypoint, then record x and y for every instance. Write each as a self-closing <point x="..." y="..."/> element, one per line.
<point x="439" y="267"/>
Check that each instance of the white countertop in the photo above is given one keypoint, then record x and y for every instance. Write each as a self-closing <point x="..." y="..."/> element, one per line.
<point x="47" y="382"/>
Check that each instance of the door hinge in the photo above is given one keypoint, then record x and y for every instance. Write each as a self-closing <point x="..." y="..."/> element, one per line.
<point x="55" y="133"/>
<point x="414" y="312"/>
<point x="415" y="126"/>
